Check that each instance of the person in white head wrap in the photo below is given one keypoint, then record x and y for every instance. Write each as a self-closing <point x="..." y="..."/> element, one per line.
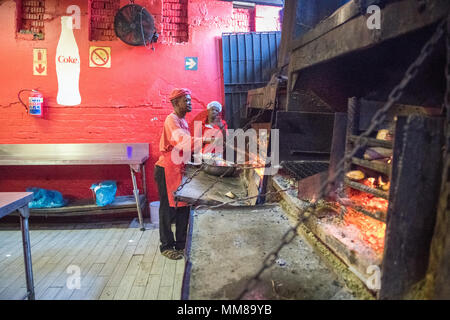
<point x="214" y="104"/>
<point x="214" y="127"/>
<point x="214" y="118"/>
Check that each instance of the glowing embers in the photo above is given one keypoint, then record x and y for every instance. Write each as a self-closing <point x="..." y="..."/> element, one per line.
<point x="371" y="230"/>
<point x="362" y="209"/>
<point x="376" y="183"/>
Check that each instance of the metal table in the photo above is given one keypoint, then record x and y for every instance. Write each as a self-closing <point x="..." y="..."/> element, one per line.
<point x="216" y="195"/>
<point x="81" y="154"/>
<point x="10" y="202"/>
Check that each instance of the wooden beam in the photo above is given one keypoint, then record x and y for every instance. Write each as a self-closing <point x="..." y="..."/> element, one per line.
<point x="341" y="16"/>
<point x="412" y="208"/>
<point x="440" y="250"/>
<point x="398" y="18"/>
<point x="371" y="142"/>
<point x="376" y="165"/>
<point x="337" y="149"/>
<point x="439" y="266"/>
<point x="366" y="189"/>
<point x="368" y="108"/>
<point x="353" y="115"/>
<point x="289" y="19"/>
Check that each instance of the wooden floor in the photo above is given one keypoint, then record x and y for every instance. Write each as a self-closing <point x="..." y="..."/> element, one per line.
<point x="117" y="262"/>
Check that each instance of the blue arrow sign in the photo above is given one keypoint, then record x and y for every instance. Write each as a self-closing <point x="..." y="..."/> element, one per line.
<point x="191" y="63"/>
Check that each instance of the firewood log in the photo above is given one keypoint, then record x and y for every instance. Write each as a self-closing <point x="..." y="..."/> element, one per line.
<point x="375" y="153"/>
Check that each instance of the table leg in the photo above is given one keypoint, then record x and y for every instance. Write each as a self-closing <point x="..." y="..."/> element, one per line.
<point x="144" y="183"/>
<point x="24" y="215"/>
<point x="136" y="196"/>
<point x="144" y="179"/>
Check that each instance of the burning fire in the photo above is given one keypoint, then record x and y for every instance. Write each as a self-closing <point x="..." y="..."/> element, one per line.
<point x="376" y="183"/>
<point x="368" y="201"/>
<point x="372" y="231"/>
<point x="370" y="182"/>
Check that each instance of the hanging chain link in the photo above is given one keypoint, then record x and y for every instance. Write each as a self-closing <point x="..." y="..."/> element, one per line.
<point x="360" y="142"/>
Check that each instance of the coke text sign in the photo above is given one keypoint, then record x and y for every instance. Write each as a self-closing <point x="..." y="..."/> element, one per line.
<point x="67" y="61"/>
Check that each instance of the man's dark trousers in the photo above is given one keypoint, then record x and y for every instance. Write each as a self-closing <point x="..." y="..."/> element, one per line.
<point x="168" y="214"/>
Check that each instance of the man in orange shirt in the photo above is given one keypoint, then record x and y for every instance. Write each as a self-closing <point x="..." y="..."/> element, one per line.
<point x="174" y="144"/>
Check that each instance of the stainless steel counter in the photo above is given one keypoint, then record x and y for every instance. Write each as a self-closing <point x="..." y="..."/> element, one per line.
<point x="73" y="154"/>
<point x="133" y="154"/>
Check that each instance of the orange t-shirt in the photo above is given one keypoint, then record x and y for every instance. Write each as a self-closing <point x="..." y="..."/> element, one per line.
<point x="175" y="138"/>
<point x="175" y="135"/>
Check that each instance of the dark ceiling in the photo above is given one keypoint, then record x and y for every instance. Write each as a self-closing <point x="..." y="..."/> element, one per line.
<point x="278" y="3"/>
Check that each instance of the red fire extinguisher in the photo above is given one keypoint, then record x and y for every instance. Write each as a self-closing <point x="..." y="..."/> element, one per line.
<point x="35" y="105"/>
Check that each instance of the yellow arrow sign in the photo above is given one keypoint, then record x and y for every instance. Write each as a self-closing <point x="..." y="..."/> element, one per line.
<point x="40" y="62"/>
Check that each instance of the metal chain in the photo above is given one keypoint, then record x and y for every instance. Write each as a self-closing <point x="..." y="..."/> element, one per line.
<point x="189" y="179"/>
<point x="361" y="141"/>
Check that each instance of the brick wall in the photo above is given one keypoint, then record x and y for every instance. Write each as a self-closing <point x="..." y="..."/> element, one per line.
<point x="175" y="28"/>
<point x="126" y="103"/>
<point x="32" y="16"/>
<point x="102" y="14"/>
<point x="243" y="20"/>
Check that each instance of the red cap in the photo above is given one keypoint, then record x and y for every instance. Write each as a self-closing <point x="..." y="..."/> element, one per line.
<point x="176" y="93"/>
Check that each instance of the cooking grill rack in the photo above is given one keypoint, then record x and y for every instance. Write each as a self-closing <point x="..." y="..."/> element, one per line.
<point x="303" y="169"/>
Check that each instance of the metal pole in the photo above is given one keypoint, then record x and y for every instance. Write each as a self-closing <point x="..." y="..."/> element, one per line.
<point x="136" y="196"/>
<point x="144" y="180"/>
<point x="24" y="214"/>
<point x="144" y="183"/>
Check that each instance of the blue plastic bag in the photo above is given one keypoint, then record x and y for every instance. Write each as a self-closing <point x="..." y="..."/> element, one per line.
<point x="105" y="192"/>
<point x="43" y="198"/>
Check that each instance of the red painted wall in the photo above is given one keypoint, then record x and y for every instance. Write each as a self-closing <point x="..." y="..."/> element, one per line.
<point x="126" y="103"/>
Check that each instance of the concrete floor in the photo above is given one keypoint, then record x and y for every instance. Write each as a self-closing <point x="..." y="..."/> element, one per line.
<point x="228" y="246"/>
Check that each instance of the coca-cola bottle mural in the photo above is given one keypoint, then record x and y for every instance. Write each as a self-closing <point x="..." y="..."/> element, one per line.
<point x="67" y="65"/>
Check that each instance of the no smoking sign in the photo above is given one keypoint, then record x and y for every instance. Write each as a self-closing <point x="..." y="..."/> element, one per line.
<point x="100" y="57"/>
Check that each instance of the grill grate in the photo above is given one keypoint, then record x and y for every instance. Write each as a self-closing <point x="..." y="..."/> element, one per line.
<point x="303" y="169"/>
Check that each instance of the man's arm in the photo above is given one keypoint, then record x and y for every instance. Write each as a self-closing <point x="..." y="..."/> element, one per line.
<point x="179" y="138"/>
